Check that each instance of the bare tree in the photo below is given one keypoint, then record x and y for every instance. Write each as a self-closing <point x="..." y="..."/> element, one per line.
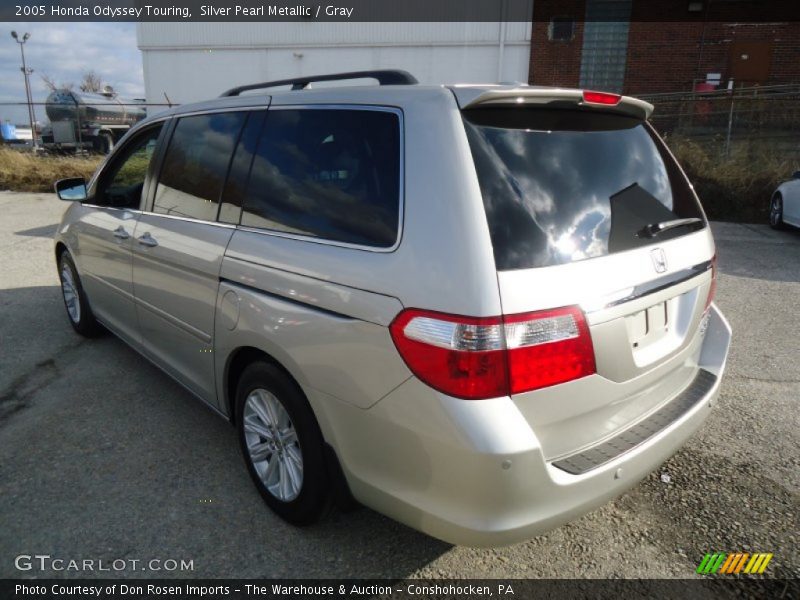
<point x="91" y="82"/>
<point x="51" y="84"/>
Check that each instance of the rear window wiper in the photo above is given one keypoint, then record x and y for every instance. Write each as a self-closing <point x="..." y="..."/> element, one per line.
<point x="653" y="229"/>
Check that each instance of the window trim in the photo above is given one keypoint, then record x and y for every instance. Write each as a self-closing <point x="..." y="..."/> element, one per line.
<point x="401" y="188"/>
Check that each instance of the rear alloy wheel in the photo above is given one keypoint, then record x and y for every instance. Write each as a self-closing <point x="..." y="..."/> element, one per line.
<point x="282" y="444"/>
<point x="272" y="445"/>
<point x="776" y="212"/>
<point x="79" y="312"/>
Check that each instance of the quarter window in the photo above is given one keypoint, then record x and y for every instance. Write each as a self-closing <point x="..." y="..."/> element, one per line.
<point x="327" y="173"/>
<point x="195" y="165"/>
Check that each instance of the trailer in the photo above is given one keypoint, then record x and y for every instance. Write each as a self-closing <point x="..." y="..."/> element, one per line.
<point x="88" y="121"/>
<point x="13" y="134"/>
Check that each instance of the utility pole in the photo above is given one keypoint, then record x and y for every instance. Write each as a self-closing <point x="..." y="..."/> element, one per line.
<point x="28" y="96"/>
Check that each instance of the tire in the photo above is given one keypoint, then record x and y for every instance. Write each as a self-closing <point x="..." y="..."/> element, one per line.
<point x="289" y="470"/>
<point x="79" y="312"/>
<point x="776" y="212"/>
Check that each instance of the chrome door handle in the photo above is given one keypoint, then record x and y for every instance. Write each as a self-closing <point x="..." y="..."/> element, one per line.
<point x="147" y="240"/>
<point x="120" y="233"/>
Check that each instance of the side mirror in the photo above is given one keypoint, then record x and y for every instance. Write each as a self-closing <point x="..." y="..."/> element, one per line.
<point x="72" y="189"/>
<point x="796" y="175"/>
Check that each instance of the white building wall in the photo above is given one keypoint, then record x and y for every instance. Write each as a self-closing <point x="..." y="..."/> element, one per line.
<point x="195" y="61"/>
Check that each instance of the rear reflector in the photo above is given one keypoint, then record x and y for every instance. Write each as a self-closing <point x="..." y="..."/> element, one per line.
<point x="712" y="290"/>
<point x="475" y="358"/>
<point x="601" y="98"/>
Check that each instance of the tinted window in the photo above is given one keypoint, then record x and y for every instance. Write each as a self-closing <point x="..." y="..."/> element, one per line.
<point x="236" y="185"/>
<point x="560" y="185"/>
<point x="333" y="174"/>
<point x="195" y="165"/>
<point x="123" y="182"/>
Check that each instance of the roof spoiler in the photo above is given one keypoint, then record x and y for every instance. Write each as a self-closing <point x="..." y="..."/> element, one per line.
<point x="384" y="77"/>
<point x="626" y="105"/>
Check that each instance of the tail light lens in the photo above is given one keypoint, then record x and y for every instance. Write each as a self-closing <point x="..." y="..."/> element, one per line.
<point x="546" y="348"/>
<point x="712" y="290"/>
<point x="475" y="358"/>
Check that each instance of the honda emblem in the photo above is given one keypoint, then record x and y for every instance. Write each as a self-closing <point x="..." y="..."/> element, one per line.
<point x="659" y="260"/>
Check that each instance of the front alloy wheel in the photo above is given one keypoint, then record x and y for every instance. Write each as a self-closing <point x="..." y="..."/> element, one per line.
<point x="70" y="293"/>
<point x="79" y="312"/>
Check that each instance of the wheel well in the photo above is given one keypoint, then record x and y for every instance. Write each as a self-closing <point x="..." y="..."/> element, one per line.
<point x="237" y="363"/>
<point x="60" y="248"/>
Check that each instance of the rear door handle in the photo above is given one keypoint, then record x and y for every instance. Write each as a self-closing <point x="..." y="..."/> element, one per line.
<point x="147" y="240"/>
<point x="120" y="233"/>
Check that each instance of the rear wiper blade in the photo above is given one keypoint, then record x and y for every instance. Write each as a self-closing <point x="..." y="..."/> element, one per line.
<point x="654" y="229"/>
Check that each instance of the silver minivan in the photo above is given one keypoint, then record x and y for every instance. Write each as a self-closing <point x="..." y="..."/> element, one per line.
<point x="482" y="310"/>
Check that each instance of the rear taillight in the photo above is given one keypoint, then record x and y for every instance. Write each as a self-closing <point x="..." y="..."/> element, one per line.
<point x="712" y="290"/>
<point x="548" y="347"/>
<point x="601" y="98"/>
<point x="476" y="358"/>
<point x="460" y="356"/>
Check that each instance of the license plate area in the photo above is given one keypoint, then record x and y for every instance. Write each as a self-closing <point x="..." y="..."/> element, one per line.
<point x="648" y="332"/>
<point x="648" y="326"/>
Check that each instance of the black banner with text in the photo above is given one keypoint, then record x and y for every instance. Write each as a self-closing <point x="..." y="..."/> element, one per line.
<point x="344" y="589"/>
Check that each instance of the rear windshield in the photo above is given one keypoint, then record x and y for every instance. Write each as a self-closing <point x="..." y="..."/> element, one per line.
<point x="566" y="185"/>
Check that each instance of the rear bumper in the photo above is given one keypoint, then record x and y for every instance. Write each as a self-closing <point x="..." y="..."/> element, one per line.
<point x="474" y="473"/>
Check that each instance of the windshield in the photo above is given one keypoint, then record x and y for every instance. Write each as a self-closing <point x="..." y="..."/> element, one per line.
<point x="565" y="185"/>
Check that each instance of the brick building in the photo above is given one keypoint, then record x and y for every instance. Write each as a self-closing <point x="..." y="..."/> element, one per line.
<point x="645" y="47"/>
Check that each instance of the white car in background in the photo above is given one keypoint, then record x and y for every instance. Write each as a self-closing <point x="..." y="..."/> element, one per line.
<point x="784" y="208"/>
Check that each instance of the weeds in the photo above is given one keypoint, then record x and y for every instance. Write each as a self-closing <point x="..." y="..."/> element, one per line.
<point x="732" y="188"/>
<point x="22" y="171"/>
<point x="736" y="187"/>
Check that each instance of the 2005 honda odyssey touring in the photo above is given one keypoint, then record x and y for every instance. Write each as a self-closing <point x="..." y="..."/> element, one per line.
<point x="482" y="310"/>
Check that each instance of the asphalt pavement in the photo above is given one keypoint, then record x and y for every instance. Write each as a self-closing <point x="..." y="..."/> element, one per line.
<point x="103" y="457"/>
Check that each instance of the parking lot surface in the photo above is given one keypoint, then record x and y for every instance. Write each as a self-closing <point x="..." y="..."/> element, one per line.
<point x="104" y="457"/>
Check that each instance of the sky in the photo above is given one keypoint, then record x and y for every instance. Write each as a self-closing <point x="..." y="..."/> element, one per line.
<point x="64" y="51"/>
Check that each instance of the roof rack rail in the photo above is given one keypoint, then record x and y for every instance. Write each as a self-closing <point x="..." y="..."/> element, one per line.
<point x="384" y="77"/>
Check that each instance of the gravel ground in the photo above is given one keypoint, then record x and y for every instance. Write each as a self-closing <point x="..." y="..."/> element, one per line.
<point x="103" y="456"/>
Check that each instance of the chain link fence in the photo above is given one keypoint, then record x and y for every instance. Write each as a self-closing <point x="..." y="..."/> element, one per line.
<point x="736" y="145"/>
<point x="724" y="120"/>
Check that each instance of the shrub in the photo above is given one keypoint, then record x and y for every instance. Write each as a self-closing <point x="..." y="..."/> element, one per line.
<point x="736" y="187"/>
